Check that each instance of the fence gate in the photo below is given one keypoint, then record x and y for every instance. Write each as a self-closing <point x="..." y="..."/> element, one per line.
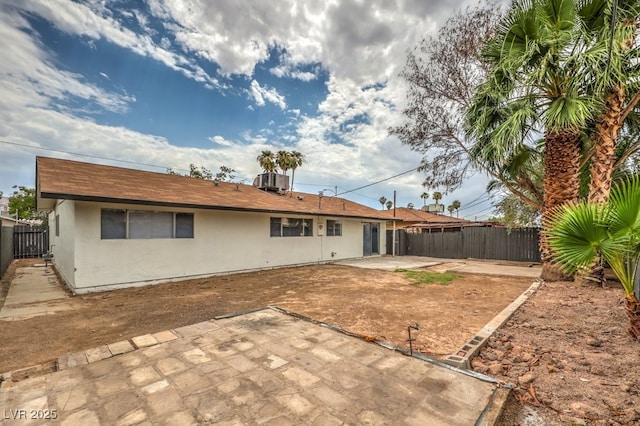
<point x="30" y="241"/>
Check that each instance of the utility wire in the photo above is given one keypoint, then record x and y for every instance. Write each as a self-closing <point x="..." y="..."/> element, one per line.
<point x="87" y="155"/>
<point x="379" y="181"/>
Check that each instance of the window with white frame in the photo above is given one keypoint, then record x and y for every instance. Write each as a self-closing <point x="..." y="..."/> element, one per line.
<point x="291" y="227"/>
<point x="334" y="228"/>
<point x="144" y="224"/>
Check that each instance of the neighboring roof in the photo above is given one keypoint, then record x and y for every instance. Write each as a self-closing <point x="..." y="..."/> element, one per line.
<point x="75" y="180"/>
<point x="413" y="215"/>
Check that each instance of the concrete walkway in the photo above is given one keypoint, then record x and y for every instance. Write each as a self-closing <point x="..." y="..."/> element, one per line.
<point x="264" y="367"/>
<point x="471" y="266"/>
<point x="34" y="291"/>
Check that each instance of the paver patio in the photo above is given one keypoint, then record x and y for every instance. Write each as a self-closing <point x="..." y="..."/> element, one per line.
<point x="264" y="367"/>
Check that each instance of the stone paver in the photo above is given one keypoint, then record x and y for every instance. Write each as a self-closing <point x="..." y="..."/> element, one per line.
<point x="251" y="369"/>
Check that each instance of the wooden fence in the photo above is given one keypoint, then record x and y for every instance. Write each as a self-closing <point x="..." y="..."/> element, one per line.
<point x="30" y="241"/>
<point x="471" y="242"/>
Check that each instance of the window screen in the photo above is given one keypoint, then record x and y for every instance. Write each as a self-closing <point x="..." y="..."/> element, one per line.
<point x="334" y="228"/>
<point x="113" y="224"/>
<point x="291" y="227"/>
<point x="146" y="224"/>
<point x="184" y="225"/>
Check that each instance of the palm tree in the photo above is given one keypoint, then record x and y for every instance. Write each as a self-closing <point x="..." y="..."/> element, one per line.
<point x="267" y="161"/>
<point x="410" y="206"/>
<point x="424" y="197"/>
<point x="456" y="206"/>
<point x="538" y="84"/>
<point x="382" y="201"/>
<point x="582" y="232"/>
<point x="437" y="196"/>
<point x="296" y="161"/>
<point x="284" y="160"/>
<point x="451" y="209"/>
<point x="389" y="204"/>
<point x="615" y="29"/>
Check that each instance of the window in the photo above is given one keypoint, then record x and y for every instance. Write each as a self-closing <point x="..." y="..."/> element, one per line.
<point x="291" y="227"/>
<point x="142" y="224"/>
<point x="113" y="224"/>
<point x="184" y="225"/>
<point x="334" y="228"/>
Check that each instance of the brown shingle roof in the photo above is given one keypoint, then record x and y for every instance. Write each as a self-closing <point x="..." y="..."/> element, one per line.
<point x="412" y="215"/>
<point x="66" y="179"/>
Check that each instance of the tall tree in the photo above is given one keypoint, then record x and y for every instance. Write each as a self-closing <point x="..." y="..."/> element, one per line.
<point x="615" y="28"/>
<point x="200" y="173"/>
<point x="410" y="206"/>
<point x="451" y="209"/>
<point x="456" y="206"/>
<point x="580" y="233"/>
<point x="284" y="160"/>
<point x="296" y="160"/>
<point x="514" y="213"/>
<point x="424" y="197"/>
<point x="382" y="201"/>
<point x="225" y="174"/>
<point x="538" y="84"/>
<point x="437" y="196"/>
<point x="22" y="204"/>
<point x="267" y="161"/>
<point x="442" y="74"/>
<point x="389" y="204"/>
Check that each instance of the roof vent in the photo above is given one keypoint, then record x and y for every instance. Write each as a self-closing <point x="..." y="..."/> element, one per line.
<point x="300" y="197"/>
<point x="216" y="183"/>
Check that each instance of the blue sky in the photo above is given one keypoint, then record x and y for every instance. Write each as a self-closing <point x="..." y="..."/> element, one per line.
<point x="165" y="83"/>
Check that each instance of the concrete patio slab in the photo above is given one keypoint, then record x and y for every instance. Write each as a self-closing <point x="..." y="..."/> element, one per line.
<point x="34" y="291"/>
<point x="245" y="370"/>
<point x="471" y="266"/>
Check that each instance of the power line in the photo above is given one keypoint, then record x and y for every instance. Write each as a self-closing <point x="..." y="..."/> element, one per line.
<point x="380" y="181"/>
<point x="87" y="155"/>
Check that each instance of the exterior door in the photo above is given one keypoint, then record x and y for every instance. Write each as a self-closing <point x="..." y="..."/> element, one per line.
<point x="366" y="239"/>
<point x="370" y="239"/>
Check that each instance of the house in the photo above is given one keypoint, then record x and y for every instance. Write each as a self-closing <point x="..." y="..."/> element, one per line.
<point x="422" y="221"/>
<point x="113" y="227"/>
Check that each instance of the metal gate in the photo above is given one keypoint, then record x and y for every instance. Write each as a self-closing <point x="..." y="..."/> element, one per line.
<point x="30" y="241"/>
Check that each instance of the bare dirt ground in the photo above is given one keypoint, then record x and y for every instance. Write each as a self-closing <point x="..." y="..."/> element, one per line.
<point x="374" y="303"/>
<point x="568" y="352"/>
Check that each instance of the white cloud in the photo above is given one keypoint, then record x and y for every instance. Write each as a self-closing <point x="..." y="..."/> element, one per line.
<point x="356" y="43"/>
<point x="264" y="94"/>
<point x="219" y="140"/>
<point x="92" y="20"/>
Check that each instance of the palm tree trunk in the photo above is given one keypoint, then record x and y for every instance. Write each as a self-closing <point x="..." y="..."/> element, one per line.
<point x="633" y="314"/>
<point x="605" y="136"/>
<point x="561" y="184"/>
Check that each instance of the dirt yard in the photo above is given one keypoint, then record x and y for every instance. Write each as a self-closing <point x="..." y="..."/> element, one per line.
<point x="373" y="303"/>
<point x="566" y="350"/>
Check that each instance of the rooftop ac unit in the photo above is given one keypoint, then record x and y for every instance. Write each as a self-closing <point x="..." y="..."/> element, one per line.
<point x="435" y="208"/>
<point x="273" y="182"/>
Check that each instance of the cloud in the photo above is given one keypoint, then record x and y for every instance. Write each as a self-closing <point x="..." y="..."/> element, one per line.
<point x="30" y="78"/>
<point x="219" y="140"/>
<point x="94" y="21"/>
<point x="263" y="94"/>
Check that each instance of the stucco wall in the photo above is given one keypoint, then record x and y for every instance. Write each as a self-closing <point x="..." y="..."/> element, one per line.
<point x="224" y="241"/>
<point x="63" y="245"/>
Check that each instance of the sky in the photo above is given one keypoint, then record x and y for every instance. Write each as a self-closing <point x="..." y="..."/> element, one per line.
<point x="166" y="83"/>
